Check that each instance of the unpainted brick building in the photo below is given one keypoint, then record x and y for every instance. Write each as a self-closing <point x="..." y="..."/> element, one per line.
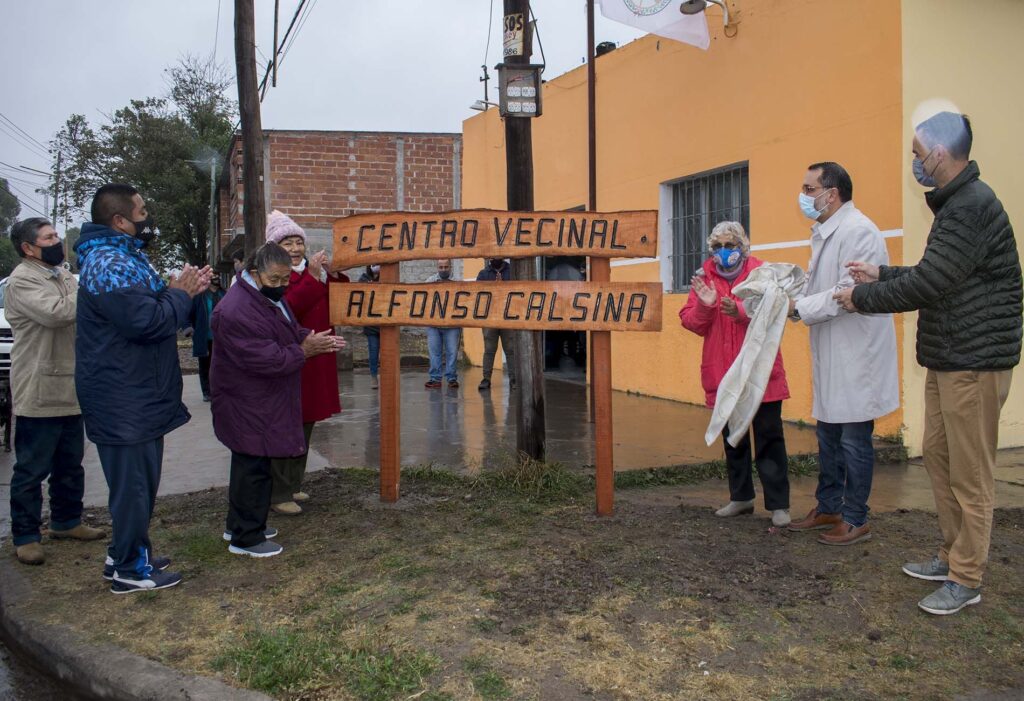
<point x="316" y="177"/>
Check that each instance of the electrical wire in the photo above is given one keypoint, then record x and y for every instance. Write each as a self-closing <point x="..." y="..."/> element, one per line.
<point x="302" y="23"/>
<point x="22" y="141"/>
<point x="216" y="34"/>
<point x="536" y="29"/>
<point x="262" y="89"/>
<point x="31" y="138"/>
<point x="490" y="30"/>
<point x="23" y="201"/>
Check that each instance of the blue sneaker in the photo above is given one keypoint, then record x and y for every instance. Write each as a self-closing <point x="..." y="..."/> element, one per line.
<point x="271" y="532"/>
<point x="159" y="564"/>
<point x="155" y="580"/>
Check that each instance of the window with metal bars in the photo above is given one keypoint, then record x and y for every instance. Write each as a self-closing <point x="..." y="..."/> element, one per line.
<point x="698" y="203"/>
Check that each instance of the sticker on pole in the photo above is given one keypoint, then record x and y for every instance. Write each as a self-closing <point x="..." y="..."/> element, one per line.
<point x="514" y="33"/>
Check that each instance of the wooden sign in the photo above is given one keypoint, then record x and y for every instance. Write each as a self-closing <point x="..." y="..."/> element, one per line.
<point x="575" y="306"/>
<point x="390" y="237"/>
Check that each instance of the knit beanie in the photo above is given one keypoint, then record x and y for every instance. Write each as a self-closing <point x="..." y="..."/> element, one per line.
<point x="280" y="226"/>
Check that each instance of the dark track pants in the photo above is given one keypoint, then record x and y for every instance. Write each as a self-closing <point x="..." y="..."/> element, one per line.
<point x="133" y="477"/>
<point x="248" y="499"/>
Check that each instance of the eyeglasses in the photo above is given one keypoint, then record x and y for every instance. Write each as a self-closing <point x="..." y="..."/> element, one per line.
<point x="718" y="246"/>
<point x="811" y="189"/>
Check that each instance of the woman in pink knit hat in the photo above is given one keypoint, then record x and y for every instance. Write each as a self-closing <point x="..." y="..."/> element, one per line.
<point x="307" y="295"/>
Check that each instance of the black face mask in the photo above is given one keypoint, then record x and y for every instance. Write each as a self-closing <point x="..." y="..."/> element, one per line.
<point x="52" y="255"/>
<point x="274" y="294"/>
<point x="497" y="263"/>
<point x="145" y="230"/>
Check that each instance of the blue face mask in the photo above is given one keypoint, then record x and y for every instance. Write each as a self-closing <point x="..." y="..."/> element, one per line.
<point x="924" y="178"/>
<point x="728" y="257"/>
<point x="807" y="206"/>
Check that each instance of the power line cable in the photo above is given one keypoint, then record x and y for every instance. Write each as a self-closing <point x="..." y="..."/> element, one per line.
<point x="216" y="34"/>
<point x="24" y="197"/>
<point x="277" y="50"/>
<point x="21" y="141"/>
<point x="490" y="30"/>
<point x="302" y="23"/>
<point x="32" y="138"/>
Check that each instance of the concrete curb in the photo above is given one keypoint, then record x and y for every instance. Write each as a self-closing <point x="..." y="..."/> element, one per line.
<point x="99" y="672"/>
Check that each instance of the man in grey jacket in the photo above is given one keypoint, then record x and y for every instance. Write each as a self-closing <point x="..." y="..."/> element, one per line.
<point x="967" y="287"/>
<point x="49" y="442"/>
<point x="853" y="357"/>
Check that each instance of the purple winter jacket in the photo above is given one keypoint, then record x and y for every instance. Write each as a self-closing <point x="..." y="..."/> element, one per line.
<point x="256" y="375"/>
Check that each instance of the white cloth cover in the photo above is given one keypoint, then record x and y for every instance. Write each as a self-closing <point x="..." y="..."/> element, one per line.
<point x="765" y="293"/>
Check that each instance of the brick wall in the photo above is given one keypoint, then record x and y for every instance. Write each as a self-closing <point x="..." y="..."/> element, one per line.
<point x="316" y="177"/>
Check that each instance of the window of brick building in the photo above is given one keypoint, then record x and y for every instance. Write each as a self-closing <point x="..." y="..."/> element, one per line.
<point x="698" y="202"/>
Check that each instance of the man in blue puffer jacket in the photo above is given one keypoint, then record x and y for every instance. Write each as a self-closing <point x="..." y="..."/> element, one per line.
<point x="127" y="374"/>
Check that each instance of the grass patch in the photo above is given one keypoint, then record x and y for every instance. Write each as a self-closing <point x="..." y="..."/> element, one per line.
<point x="202" y="547"/>
<point x="486" y="682"/>
<point x="289" y="661"/>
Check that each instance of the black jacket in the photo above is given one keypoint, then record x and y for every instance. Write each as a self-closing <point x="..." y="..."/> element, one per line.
<point x="489" y="274"/>
<point x="967" y="284"/>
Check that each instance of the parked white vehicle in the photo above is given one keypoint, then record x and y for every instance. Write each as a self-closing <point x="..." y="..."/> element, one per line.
<point x="6" y="336"/>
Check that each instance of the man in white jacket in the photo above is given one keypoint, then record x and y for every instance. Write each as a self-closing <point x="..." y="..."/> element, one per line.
<point x="853" y="356"/>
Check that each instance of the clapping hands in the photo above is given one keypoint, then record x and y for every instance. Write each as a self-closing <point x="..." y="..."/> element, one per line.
<point x="192" y="280"/>
<point x="705" y="293"/>
<point x="322" y="342"/>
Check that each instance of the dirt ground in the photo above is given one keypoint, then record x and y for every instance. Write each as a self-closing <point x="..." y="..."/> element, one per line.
<point x="509" y="587"/>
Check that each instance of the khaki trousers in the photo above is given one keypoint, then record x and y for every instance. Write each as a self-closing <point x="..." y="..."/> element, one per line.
<point x="960" y="437"/>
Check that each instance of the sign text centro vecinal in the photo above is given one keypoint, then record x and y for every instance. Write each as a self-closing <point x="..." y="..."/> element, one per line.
<point x="392" y="237"/>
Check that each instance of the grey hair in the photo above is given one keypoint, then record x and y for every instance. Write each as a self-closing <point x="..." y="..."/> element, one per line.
<point x="27" y="231"/>
<point x="734" y="230"/>
<point x="267" y="255"/>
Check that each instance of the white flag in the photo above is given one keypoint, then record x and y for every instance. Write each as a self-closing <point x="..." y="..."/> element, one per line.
<point x="661" y="17"/>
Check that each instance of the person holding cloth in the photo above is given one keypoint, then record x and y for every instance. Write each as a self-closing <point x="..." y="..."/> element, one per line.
<point x="256" y="384"/>
<point x="715" y="314"/>
<point x="308" y="297"/>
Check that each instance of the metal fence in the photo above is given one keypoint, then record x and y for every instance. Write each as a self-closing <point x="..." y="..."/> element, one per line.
<point x="698" y="203"/>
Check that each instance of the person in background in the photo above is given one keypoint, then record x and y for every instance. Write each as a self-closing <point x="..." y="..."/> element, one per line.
<point x="41" y="305"/>
<point x="967" y="287"/>
<point x="853" y="357"/>
<point x="713" y="312"/>
<point x="497" y="270"/>
<point x="443" y="343"/>
<point x="372" y="333"/>
<point x="202" y="334"/>
<point x="238" y="264"/>
<point x="127" y="372"/>
<point x="256" y="383"/>
<point x="309" y="299"/>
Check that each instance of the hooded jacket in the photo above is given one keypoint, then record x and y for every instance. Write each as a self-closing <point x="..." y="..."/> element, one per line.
<point x="127" y="372"/>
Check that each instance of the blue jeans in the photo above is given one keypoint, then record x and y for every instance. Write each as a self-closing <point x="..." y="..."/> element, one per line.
<point x="46" y="447"/>
<point x="373" y="341"/>
<point x="847" y="457"/>
<point x="449" y="338"/>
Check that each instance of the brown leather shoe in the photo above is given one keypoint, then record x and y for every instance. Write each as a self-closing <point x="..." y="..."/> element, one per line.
<point x="30" y="553"/>
<point x="815" y="520"/>
<point x="79" y="532"/>
<point x="845" y="534"/>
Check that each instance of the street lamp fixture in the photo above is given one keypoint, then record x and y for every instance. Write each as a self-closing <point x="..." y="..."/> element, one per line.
<point x="695" y="7"/>
<point x="482" y="105"/>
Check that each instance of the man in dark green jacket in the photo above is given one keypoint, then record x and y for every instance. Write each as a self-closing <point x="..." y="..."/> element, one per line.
<point x="967" y="287"/>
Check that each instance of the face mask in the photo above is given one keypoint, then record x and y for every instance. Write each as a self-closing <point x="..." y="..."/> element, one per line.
<point x="52" y="255"/>
<point x="807" y="206"/>
<point x="145" y="230"/>
<point x="728" y="257"/>
<point x="445" y="275"/>
<point x="274" y="294"/>
<point x="924" y="178"/>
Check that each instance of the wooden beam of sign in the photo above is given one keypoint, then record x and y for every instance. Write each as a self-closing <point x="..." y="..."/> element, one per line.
<point x="392" y="237"/>
<point x="577" y="306"/>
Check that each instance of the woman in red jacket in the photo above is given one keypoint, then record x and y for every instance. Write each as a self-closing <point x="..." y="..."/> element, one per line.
<point x="307" y="295"/>
<point x="713" y="312"/>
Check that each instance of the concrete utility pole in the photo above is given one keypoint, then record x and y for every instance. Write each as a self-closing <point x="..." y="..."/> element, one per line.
<point x="531" y="436"/>
<point x="254" y="208"/>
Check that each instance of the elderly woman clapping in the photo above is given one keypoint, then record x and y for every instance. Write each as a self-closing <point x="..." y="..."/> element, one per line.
<point x="256" y="389"/>
<point x="713" y="312"/>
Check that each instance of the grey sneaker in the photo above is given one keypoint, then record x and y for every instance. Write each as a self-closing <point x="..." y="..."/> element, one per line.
<point x="271" y="532"/>
<point x="267" y="548"/>
<point x="934" y="570"/>
<point x="949" y="598"/>
<point x="736" y="508"/>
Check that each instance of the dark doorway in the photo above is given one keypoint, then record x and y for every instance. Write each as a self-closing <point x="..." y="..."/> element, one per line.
<point x="565" y="352"/>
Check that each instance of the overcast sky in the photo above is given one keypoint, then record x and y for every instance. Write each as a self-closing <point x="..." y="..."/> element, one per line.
<point x="388" y="65"/>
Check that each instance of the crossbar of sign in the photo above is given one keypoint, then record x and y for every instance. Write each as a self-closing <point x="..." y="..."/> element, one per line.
<point x="578" y="306"/>
<point x="392" y="237"/>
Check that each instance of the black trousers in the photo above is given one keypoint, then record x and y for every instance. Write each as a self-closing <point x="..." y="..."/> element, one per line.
<point x="133" y="477"/>
<point x="204" y="369"/>
<point x="248" y="499"/>
<point x="770" y="454"/>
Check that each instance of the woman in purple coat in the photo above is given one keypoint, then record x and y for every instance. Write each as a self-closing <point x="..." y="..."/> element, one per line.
<point x="255" y="383"/>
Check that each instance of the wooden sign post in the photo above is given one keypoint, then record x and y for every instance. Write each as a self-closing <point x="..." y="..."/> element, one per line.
<point x="597" y="305"/>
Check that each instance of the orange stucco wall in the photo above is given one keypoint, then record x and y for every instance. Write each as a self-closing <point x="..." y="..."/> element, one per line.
<point x="800" y="82"/>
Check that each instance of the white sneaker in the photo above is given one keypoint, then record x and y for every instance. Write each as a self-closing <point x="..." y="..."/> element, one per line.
<point x="780" y="518"/>
<point x="736" y="508"/>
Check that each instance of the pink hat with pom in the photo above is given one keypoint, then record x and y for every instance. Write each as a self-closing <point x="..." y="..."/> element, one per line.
<point x="280" y="226"/>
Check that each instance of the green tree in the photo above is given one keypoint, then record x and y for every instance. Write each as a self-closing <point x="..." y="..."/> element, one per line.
<point x="9" y="209"/>
<point x="71" y="237"/>
<point x="149" y="143"/>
